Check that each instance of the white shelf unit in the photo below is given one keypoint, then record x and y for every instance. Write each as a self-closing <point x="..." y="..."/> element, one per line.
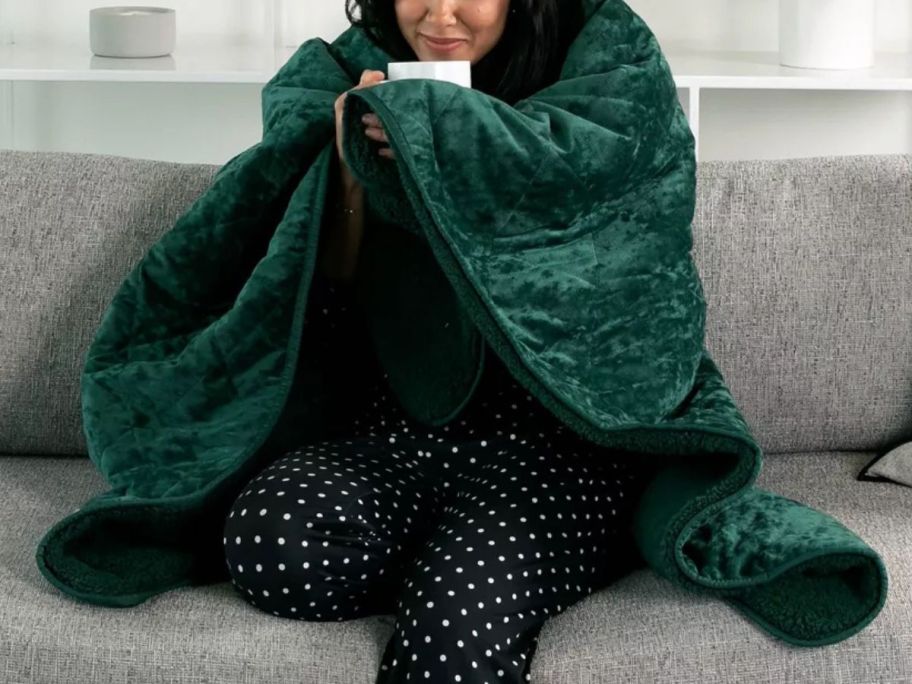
<point x="698" y="70"/>
<point x="254" y="57"/>
<point x="244" y="42"/>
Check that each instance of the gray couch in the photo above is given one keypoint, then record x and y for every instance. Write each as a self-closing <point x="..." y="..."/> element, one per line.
<point x="807" y="268"/>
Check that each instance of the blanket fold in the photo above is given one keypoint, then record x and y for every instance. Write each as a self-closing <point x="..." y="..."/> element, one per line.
<point x="553" y="232"/>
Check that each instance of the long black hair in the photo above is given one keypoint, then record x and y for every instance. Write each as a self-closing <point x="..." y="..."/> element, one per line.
<point x="528" y="56"/>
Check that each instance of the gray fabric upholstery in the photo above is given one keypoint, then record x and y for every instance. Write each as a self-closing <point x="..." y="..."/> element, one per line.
<point x="805" y="264"/>
<point x="639" y="629"/>
<point x="73" y="225"/>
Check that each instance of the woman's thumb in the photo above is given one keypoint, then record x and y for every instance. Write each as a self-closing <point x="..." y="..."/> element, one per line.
<point x="372" y="75"/>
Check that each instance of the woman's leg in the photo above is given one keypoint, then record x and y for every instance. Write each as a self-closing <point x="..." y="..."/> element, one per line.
<point x="529" y="531"/>
<point x="324" y="532"/>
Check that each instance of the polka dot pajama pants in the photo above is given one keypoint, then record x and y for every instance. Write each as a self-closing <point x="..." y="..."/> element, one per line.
<point x="472" y="535"/>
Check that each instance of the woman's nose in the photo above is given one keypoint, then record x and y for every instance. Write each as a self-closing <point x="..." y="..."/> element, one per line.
<point x="443" y="9"/>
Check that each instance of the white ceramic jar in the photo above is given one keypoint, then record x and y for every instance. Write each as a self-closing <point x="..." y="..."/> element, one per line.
<point x="132" y="31"/>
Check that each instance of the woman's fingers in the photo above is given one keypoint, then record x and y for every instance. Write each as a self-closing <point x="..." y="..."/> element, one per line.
<point x="370" y="77"/>
<point x="376" y="133"/>
<point x="373" y="129"/>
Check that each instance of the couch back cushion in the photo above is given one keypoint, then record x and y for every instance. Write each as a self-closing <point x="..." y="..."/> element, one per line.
<point x="72" y="227"/>
<point x="807" y="270"/>
<point x="805" y="265"/>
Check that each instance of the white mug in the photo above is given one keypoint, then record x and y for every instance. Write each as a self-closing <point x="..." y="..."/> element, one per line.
<point x="455" y="71"/>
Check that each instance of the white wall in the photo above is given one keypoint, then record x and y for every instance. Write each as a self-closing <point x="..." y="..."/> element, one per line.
<point x="210" y="123"/>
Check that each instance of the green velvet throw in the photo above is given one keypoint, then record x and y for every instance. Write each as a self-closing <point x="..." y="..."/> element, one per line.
<point x="554" y="232"/>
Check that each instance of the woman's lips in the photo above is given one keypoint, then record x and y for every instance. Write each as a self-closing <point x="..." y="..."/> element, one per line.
<point x="442" y="46"/>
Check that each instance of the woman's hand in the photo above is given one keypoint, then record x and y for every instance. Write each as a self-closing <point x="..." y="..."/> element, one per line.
<point x="373" y="129"/>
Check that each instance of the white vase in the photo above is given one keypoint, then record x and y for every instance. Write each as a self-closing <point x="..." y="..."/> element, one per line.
<point x="826" y="34"/>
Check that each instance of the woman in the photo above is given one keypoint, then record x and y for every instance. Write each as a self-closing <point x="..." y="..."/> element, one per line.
<point x="473" y="534"/>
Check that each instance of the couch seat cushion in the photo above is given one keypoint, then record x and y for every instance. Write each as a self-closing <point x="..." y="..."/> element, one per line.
<point x="641" y="628"/>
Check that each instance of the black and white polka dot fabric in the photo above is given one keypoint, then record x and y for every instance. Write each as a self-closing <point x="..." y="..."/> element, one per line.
<point x="472" y="534"/>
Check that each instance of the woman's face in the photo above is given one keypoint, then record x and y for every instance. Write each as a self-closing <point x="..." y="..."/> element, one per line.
<point x="478" y="24"/>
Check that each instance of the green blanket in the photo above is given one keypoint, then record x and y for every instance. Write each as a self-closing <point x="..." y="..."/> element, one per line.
<point x="554" y="232"/>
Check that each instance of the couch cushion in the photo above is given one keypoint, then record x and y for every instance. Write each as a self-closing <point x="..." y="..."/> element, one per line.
<point x="641" y="628"/>
<point x="805" y="267"/>
<point x="804" y="264"/>
<point x="73" y="225"/>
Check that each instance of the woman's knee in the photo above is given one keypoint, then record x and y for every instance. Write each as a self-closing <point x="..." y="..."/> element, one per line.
<point x="320" y="559"/>
<point x="307" y="572"/>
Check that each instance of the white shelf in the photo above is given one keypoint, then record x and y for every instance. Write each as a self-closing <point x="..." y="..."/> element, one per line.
<point x="698" y="70"/>
<point x="196" y="59"/>
<point x="216" y="59"/>
<point x="761" y="70"/>
<point x="202" y="58"/>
